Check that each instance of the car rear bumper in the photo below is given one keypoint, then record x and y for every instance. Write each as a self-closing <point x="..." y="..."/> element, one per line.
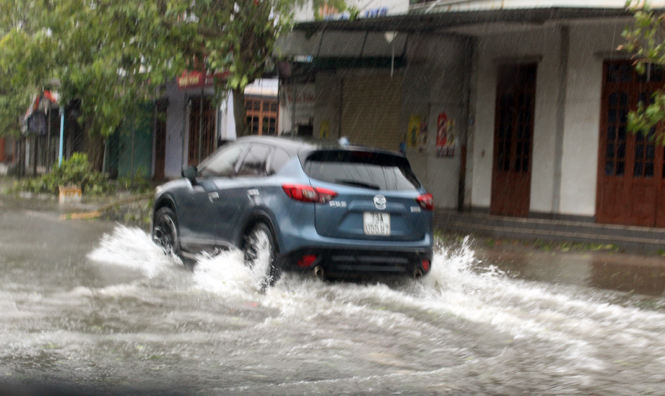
<point x="342" y="261"/>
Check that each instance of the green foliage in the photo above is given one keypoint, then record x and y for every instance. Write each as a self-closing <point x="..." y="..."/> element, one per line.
<point x="137" y="183"/>
<point x="106" y="53"/>
<point x="112" y="54"/>
<point x="72" y="172"/>
<point x="645" y="41"/>
<point x="76" y="172"/>
<point x="338" y="6"/>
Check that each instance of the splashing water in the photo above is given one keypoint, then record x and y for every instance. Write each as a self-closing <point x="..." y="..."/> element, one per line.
<point x="133" y="248"/>
<point x="227" y="275"/>
<point x="573" y="331"/>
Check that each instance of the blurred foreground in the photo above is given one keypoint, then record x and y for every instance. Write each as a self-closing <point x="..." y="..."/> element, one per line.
<point x="97" y="307"/>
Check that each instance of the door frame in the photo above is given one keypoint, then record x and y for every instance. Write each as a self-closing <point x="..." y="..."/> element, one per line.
<point x="646" y="187"/>
<point x="524" y="209"/>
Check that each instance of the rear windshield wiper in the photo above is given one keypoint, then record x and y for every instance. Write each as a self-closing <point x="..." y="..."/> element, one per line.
<point x="357" y="184"/>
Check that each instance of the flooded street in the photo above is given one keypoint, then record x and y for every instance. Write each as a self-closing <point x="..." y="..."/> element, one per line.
<point x="97" y="305"/>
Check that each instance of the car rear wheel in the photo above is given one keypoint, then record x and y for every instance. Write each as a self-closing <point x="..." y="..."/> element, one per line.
<point x="259" y="251"/>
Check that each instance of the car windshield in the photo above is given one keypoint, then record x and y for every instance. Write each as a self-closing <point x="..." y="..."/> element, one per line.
<point x="366" y="169"/>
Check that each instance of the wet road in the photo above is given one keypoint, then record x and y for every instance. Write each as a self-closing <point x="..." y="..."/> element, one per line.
<point x="98" y="306"/>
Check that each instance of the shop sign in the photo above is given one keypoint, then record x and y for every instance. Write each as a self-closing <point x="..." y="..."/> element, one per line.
<point x="324" y="131"/>
<point x="367" y="9"/>
<point x="304" y="97"/>
<point x="196" y="79"/>
<point x="413" y="134"/>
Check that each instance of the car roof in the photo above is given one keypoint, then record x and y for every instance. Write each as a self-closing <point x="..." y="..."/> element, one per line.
<point x="291" y="145"/>
<point x="303" y="146"/>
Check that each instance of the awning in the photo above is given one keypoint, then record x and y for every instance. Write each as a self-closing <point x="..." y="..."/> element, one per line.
<point x="437" y="22"/>
<point x="34" y="120"/>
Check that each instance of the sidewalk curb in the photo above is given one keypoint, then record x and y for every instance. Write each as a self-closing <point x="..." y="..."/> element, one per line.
<point x="81" y="216"/>
<point x="97" y="213"/>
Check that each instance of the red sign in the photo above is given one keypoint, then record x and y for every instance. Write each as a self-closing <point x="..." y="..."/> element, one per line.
<point x="196" y="79"/>
<point x="441" y="131"/>
<point x="445" y="136"/>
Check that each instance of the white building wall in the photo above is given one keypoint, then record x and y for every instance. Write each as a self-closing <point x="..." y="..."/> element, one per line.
<point x="175" y="122"/>
<point x="434" y="82"/>
<point x="227" y="122"/>
<point x="177" y="127"/>
<point x="448" y="6"/>
<point x="590" y="44"/>
<point x="541" y="46"/>
<point x="327" y="106"/>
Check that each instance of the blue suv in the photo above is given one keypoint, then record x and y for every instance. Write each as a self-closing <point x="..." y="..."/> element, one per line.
<point x="297" y="205"/>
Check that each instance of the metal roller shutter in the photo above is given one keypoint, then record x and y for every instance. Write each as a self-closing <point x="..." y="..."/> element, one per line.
<point x="371" y="111"/>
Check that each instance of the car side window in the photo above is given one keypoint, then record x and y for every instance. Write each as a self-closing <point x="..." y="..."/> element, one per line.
<point x="223" y="163"/>
<point x="255" y="161"/>
<point x="279" y="158"/>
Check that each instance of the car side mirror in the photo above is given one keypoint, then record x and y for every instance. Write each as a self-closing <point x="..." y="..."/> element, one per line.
<point x="189" y="173"/>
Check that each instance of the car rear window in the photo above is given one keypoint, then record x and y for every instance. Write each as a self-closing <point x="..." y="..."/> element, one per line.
<point x="378" y="171"/>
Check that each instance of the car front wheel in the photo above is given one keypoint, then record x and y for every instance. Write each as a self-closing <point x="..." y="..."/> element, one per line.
<point x="259" y="250"/>
<point x="165" y="231"/>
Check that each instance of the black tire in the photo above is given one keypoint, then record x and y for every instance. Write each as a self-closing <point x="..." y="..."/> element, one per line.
<point x="258" y="241"/>
<point x="165" y="231"/>
<point x="165" y="234"/>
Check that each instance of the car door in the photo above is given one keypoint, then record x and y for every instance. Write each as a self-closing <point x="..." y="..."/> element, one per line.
<point x="237" y="197"/>
<point x="198" y="212"/>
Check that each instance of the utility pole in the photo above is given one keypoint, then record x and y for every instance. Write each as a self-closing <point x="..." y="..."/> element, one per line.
<point x="62" y="132"/>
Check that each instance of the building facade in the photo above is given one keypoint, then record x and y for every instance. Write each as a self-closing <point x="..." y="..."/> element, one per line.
<point x="510" y="108"/>
<point x="191" y="127"/>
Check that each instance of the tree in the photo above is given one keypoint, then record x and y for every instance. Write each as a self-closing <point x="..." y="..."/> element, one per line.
<point x="645" y="40"/>
<point x="239" y="36"/>
<point x="13" y="104"/>
<point x="13" y="99"/>
<point x="112" y="54"/>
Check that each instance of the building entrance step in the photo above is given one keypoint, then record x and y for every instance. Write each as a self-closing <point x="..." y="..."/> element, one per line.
<point x="630" y="237"/>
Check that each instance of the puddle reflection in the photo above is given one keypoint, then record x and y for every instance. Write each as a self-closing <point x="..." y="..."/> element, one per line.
<point x="620" y="272"/>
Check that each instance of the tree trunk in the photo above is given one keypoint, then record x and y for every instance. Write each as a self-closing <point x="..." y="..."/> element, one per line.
<point x="94" y="145"/>
<point x="239" y="112"/>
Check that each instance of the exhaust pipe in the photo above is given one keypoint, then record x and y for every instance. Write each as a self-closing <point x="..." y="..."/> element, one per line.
<point x="319" y="273"/>
<point x="417" y="273"/>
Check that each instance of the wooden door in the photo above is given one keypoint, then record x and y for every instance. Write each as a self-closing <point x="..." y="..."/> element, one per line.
<point x="207" y="132"/>
<point x="513" y="136"/>
<point x="630" y="171"/>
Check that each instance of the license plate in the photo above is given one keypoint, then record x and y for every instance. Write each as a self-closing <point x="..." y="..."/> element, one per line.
<point x="376" y="223"/>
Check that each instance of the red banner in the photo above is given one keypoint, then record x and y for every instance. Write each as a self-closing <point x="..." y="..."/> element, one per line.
<point x="445" y="136"/>
<point x="196" y="79"/>
<point x="442" y="131"/>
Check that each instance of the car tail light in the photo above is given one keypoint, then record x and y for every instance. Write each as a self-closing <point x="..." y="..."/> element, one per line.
<point x="306" y="261"/>
<point x="426" y="201"/>
<point x="305" y="193"/>
<point x="425" y="264"/>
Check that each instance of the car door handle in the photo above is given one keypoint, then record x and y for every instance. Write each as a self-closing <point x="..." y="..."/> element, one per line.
<point x="213" y="195"/>
<point x="253" y="192"/>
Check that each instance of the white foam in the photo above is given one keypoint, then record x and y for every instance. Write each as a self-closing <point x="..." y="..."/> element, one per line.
<point x="576" y="322"/>
<point x="133" y="248"/>
<point x="227" y="275"/>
